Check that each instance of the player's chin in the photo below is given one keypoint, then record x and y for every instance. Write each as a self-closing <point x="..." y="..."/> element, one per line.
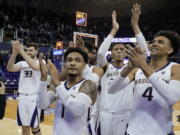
<point x="30" y="56"/>
<point x="120" y="59"/>
<point x="72" y="73"/>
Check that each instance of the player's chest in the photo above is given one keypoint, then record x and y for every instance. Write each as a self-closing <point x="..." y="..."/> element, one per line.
<point x="145" y="91"/>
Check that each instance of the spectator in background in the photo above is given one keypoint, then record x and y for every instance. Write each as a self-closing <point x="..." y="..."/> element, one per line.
<point x="2" y="100"/>
<point x="1" y="64"/>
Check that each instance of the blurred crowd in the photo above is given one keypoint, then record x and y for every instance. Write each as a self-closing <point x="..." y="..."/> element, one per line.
<point x="47" y="27"/>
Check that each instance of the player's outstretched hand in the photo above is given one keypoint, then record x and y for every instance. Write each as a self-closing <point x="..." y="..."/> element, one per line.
<point x="54" y="73"/>
<point x="17" y="47"/>
<point x="136" y="56"/>
<point x="80" y="42"/>
<point x="115" y="24"/>
<point x="136" y="12"/>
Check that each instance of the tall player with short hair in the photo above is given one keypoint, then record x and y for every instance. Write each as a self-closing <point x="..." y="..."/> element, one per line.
<point x="73" y="97"/>
<point x="115" y="108"/>
<point x="28" y="114"/>
<point x="156" y="86"/>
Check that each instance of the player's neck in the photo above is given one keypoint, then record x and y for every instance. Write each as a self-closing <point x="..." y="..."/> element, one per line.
<point x="158" y="62"/>
<point x="72" y="80"/>
<point x="35" y="58"/>
<point x="118" y="63"/>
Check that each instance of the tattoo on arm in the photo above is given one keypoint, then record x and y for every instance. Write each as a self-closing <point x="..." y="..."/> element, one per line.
<point x="89" y="88"/>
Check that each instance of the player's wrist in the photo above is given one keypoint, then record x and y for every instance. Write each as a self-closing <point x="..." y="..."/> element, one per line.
<point x="43" y="79"/>
<point x="113" y="32"/>
<point x="14" y="54"/>
<point x="22" y="51"/>
<point x="115" y="29"/>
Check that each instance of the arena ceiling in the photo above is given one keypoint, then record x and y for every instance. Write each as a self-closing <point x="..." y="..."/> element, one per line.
<point x="95" y="8"/>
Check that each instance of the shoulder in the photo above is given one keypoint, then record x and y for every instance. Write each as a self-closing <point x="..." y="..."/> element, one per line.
<point x="98" y="70"/>
<point x="87" y="82"/>
<point x="175" y="71"/>
<point x="88" y="85"/>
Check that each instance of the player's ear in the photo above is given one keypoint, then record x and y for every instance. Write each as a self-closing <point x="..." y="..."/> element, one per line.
<point x="170" y="50"/>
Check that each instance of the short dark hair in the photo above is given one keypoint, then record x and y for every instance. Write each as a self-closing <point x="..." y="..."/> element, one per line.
<point x="114" y="44"/>
<point x="173" y="37"/>
<point x="32" y="45"/>
<point x="78" y="50"/>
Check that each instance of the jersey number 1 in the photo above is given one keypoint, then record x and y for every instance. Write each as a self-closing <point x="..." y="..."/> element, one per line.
<point x="148" y="93"/>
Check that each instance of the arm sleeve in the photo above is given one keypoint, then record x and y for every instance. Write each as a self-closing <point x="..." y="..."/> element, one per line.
<point x="44" y="98"/>
<point x="77" y="104"/>
<point x="169" y="90"/>
<point x="2" y="105"/>
<point x="101" y="55"/>
<point x="118" y="83"/>
<point x="142" y="42"/>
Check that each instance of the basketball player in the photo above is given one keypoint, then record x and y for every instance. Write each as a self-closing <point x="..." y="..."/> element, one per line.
<point x="156" y="86"/>
<point x="114" y="108"/>
<point x="2" y="100"/>
<point x="94" y="73"/>
<point x="27" y="114"/>
<point x="73" y="96"/>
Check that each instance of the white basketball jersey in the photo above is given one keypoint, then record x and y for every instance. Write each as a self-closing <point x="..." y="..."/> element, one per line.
<point x="66" y="123"/>
<point x="29" y="79"/>
<point x="152" y="114"/>
<point x="120" y="101"/>
<point x="87" y="72"/>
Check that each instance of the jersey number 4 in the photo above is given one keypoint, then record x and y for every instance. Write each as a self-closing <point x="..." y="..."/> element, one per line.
<point x="148" y="93"/>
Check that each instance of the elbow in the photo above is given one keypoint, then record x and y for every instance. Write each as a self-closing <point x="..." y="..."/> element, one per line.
<point x="35" y="68"/>
<point x="101" y="60"/>
<point x="173" y="100"/>
<point x="9" y="69"/>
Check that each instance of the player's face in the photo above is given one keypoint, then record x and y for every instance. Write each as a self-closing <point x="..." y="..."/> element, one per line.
<point x="160" y="46"/>
<point x="32" y="52"/>
<point x="118" y="52"/>
<point x="74" y="64"/>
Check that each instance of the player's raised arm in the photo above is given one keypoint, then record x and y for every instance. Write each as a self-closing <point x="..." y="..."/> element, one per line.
<point x="136" y="12"/>
<point x="101" y="55"/>
<point x="44" y="98"/>
<point x="11" y="66"/>
<point x="31" y="62"/>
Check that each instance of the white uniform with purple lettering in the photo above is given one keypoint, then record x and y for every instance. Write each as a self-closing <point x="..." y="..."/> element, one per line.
<point x="65" y="121"/>
<point x="28" y="114"/>
<point x="115" y="108"/>
<point x="152" y="115"/>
